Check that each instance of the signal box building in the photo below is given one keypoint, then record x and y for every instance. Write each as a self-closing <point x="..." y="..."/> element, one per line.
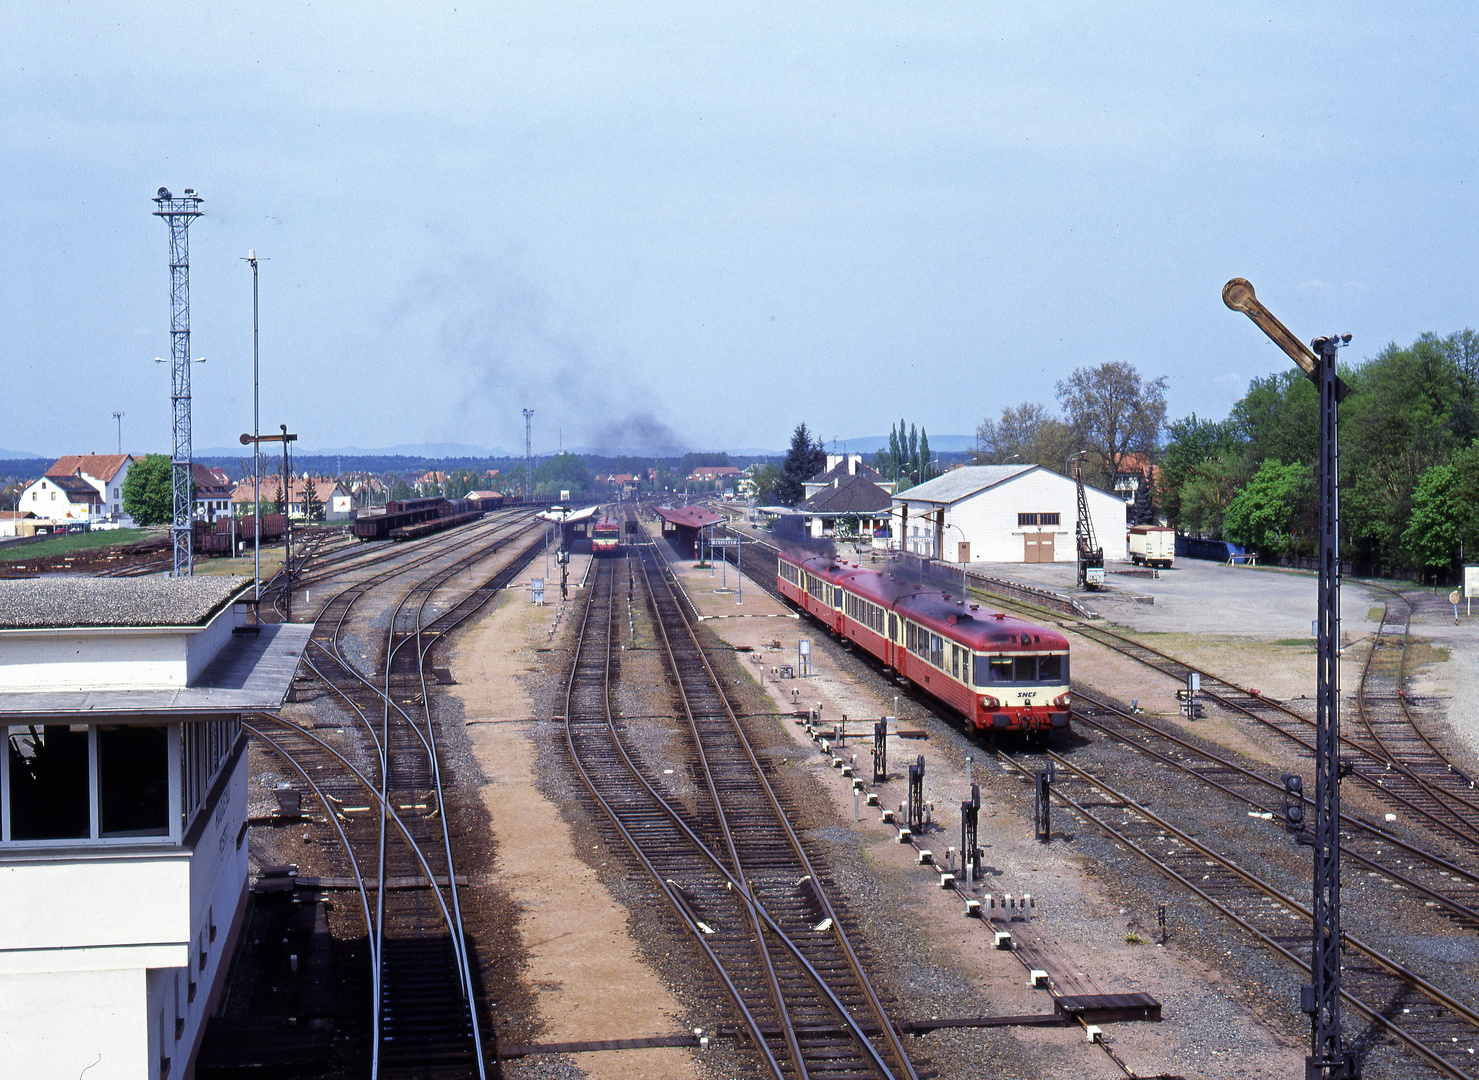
<point x="1004" y="513"/>
<point x="123" y="790"/>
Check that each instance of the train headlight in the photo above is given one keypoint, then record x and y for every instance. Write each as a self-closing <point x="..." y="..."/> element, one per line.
<point x="1061" y="700"/>
<point x="988" y="702"/>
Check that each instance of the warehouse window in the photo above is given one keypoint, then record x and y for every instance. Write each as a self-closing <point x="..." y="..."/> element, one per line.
<point x="1030" y="520"/>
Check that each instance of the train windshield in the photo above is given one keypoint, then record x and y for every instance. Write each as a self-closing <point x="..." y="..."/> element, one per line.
<point x="994" y="670"/>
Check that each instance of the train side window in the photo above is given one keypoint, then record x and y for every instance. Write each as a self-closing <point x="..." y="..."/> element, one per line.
<point x="893" y="627"/>
<point x="937" y="651"/>
<point x="1050" y="668"/>
<point x="955" y="661"/>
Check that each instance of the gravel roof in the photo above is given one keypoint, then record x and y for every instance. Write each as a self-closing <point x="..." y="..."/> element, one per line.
<point x="55" y="602"/>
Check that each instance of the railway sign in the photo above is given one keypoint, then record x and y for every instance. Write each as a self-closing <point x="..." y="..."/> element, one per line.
<point x="536" y="590"/>
<point x="1471" y="586"/>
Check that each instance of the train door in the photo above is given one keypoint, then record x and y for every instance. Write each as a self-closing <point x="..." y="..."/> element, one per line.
<point x="891" y="650"/>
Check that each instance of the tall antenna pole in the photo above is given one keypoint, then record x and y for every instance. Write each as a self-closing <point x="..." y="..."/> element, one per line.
<point x="178" y="214"/>
<point x="119" y="417"/>
<point x="251" y="257"/>
<point x="528" y="455"/>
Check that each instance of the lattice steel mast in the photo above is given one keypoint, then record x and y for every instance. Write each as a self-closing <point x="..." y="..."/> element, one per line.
<point x="178" y="214"/>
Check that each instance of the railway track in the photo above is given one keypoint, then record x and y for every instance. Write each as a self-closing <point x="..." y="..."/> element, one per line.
<point x="729" y="864"/>
<point x="1386" y="754"/>
<point x="400" y="848"/>
<point x="1432" y="1026"/>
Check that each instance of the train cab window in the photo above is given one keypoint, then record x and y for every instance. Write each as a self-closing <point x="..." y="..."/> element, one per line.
<point x="1025" y="669"/>
<point x="48" y="783"/>
<point x="1050" y="668"/>
<point x="993" y="669"/>
<point x="133" y="781"/>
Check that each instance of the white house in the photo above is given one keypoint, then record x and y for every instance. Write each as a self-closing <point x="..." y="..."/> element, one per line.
<point x="123" y="862"/>
<point x="105" y="472"/>
<point x="1004" y="513"/>
<point x="62" y="498"/>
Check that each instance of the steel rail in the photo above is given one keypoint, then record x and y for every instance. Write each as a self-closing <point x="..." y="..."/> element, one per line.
<point x="667" y="887"/>
<point x="862" y="981"/>
<point x="382" y="744"/>
<point x="1433" y="993"/>
<point x="1348" y="822"/>
<point x="1125" y="645"/>
<point x="737" y="889"/>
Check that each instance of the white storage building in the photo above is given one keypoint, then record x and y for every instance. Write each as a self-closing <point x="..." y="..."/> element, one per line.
<point x="1004" y="513"/>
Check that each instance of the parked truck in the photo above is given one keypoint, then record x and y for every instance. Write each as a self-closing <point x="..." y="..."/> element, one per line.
<point x="1152" y="545"/>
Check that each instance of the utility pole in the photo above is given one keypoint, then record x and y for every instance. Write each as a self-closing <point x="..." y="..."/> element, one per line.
<point x="529" y="456"/>
<point x="118" y="416"/>
<point x="251" y="257"/>
<point x="1327" y="1060"/>
<point x="178" y="214"/>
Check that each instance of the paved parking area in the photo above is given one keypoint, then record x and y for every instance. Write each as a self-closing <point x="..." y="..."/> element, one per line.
<point x="1199" y="596"/>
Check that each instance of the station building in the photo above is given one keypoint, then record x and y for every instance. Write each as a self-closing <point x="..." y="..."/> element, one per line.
<point x="123" y="791"/>
<point x="683" y="527"/>
<point x="1004" y="513"/>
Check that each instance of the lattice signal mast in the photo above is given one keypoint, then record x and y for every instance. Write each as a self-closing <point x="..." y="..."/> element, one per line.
<point x="178" y="213"/>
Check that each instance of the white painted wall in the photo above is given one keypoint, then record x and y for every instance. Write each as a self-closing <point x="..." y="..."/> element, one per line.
<point x="988" y="519"/>
<point x="105" y="658"/>
<point x="64" y="1024"/>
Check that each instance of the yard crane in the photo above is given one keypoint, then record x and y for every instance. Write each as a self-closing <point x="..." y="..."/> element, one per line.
<point x="1090" y="554"/>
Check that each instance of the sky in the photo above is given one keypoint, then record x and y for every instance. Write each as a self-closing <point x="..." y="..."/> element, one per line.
<point x="700" y="225"/>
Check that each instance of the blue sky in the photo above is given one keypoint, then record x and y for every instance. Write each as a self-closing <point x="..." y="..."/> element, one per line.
<point x="704" y="224"/>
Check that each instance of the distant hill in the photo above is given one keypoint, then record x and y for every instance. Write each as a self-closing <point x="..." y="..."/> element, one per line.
<point x="420" y="451"/>
<point x="17" y="455"/>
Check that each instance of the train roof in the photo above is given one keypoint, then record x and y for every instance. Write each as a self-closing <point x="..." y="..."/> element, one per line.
<point x="973" y="625"/>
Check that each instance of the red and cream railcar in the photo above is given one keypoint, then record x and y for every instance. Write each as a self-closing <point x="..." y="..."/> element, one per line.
<point x="606" y="536"/>
<point x="1003" y="674"/>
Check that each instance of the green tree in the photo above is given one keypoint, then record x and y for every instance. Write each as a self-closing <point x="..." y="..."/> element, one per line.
<point x="767" y="478"/>
<point x="892" y="469"/>
<point x="1273" y="509"/>
<point x="1196" y="451"/>
<point x="912" y="468"/>
<point x="1207" y="491"/>
<point x="313" y="506"/>
<point x="1440" y="520"/>
<point x="804" y="459"/>
<point x="925" y="469"/>
<point x="148" y="491"/>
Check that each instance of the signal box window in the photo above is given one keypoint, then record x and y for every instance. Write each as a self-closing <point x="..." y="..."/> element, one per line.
<point x="48" y="783"/>
<point x="133" y="781"/>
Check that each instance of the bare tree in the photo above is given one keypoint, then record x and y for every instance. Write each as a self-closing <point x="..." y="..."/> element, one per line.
<point x="1025" y="434"/>
<point x="1113" y="413"/>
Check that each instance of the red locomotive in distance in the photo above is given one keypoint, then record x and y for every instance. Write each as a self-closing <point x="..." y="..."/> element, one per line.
<point x="1001" y="673"/>
<point x="606" y="536"/>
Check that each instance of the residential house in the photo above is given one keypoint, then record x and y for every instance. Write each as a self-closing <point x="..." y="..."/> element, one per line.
<point x="337" y="503"/>
<point x="850" y="506"/>
<point x="62" y="498"/>
<point x="213" y="492"/>
<point x="840" y="465"/>
<point x="105" y="472"/>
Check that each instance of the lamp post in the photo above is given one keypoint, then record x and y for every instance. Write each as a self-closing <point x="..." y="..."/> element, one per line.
<point x="251" y="258"/>
<point x="964" y="596"/>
